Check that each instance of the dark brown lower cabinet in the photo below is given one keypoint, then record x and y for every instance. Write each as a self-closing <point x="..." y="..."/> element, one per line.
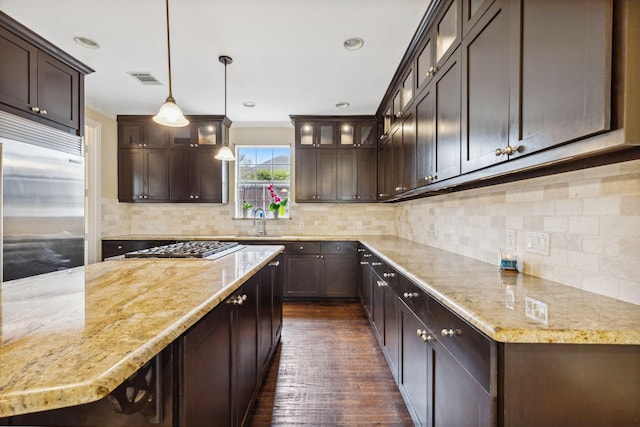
<point x="451" y="374"/>
<point x="206" y="370"/>
<point x="224" y="357"/>
<point x="321" y="270"/>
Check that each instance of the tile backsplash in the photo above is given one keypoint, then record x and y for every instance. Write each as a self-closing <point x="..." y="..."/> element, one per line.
<point x="592" y="217"/>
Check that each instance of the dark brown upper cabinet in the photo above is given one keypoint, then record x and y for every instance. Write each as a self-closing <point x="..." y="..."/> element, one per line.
<point x="572" y="99"/>
<point x="161" y="164"/>
<point x="141" y="132"/>
<point x="316" y="175"/>
<point x="39" y="82"/>
<point x="310" y="134"/>
<point x="357" y="134"/>
<point x="485" y="89"/>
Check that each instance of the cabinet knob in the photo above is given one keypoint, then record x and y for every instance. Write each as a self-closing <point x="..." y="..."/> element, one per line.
<point x="43" y="112"/>
<point x="450" y="332"/>
<point x="140" y="196"/>
<point x="389" y="274"/>
<point x="361" y="249"/>
<point x="367" y="255"/>
<point x="381" y="283"/>
<point x="432" y="71"/>
<point x="119" y="246"/>
<point x="511" y="150"/>
<point x="411" y="295"/>
<point x="191" y="196"/>
<point x="426" y="337"/>
<point x="145" y="197"/>
<point x="376" y="263"/>
<point x="274" y="263"/>
<point x="301" y="248"/>
<point x="337" y="248"/>
<point x="197" y="197"/>
<point x="364" y="262"/>
<point x="35" y="109"/>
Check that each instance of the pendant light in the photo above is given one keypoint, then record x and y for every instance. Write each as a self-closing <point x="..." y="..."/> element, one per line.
<point x="170" y="114"/>
<point x="225" y="152"/>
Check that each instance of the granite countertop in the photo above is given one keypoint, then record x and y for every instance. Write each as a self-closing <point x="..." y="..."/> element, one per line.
<point x="72" y="336"/>
<point x="509" y="308"/>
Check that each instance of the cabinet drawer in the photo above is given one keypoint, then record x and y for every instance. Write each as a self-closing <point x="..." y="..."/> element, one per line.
<point x="414" y="297"/>
<point x="469" y="346"/>
<point x="111" y="248"/>
<point x="337" y="247"/>
<point x="298" y="248"/>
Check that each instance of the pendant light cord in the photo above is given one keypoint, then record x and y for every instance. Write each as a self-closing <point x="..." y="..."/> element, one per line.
<point x="169" y="52"/>
<point x="225" y="89"/>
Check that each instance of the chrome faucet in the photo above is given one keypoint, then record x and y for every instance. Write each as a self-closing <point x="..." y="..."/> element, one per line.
<point x="262" y="231"/>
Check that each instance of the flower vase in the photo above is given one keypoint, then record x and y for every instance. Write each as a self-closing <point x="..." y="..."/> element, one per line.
<point x="276" y="213"/>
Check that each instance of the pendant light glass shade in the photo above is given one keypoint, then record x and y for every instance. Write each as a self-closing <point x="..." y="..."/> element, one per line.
<point x="170" y="114"/>
<point x="225" y="152"/>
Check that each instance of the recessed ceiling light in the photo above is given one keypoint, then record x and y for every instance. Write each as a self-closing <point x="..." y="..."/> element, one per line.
<point x="342" y="105"/>
<point x="249" y="104"/>
<point x="354" y="43"/>
<point x="86" y="42"/>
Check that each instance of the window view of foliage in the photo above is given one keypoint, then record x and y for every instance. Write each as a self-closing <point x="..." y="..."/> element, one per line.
<point x="257" y="167"/>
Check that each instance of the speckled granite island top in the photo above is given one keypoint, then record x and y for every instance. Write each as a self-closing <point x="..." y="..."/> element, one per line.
<point x="72" y="336"/>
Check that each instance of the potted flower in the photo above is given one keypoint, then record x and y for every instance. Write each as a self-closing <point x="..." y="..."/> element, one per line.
<point x="246" y="207"/>
<point x="277" y="205"/>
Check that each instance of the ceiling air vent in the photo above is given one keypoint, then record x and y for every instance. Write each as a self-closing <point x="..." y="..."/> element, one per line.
<point x="144" y="78"/>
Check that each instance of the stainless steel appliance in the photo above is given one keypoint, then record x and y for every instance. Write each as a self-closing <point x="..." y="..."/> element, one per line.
<point x="42" y="198"/>
<point x="209" y="249"/>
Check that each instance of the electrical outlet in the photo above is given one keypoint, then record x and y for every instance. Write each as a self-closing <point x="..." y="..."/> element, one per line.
<point x="359" y="225"/>
<point x="538" y="243"/>
<point x="510" y="243"/>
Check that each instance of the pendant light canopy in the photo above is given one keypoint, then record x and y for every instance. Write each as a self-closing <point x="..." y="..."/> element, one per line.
<point x="170" y="114"/>
<point x="225" y="152"/>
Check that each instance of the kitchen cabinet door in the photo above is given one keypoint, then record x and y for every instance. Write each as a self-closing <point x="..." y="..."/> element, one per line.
<point x="18" y="68"/>
<point x="367" y="175"/>
<point x="485" y="90"/>
<point x="316" y="175"/>
<point x="347" y="166"/>
<point x="570" y="100"/>
<point x="143" y="175"/>
<point x="378" y="308"/>
<point x="265" y="317"/>
<point x="448" y="115"/>
<point x="340" y="276"/>
<point x="425" y="139"/>
<point x="302" y="276"/>
<point x="472" y="11"/>
<point x="206" y="175"/>
<point x="206" y="376"/>
<point x="415" y="376"/>
<point x="392" y="332"/>
<point x="58" y="91"/>
<point x="277" y="276"/>
<point x="408" y="151"/>
<point x="141" y="132"/>
<point x="179" y="171"/>
<point x="326" y="179"/>
<point x="246" y="350"/>
<point x="393" y="178"/>
<point x="458" y="399"/>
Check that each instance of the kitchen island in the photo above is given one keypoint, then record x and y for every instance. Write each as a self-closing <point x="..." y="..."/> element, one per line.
<point x="73" y="336"/>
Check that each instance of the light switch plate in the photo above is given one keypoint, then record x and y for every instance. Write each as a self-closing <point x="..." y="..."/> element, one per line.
<point x="538" y="243"/>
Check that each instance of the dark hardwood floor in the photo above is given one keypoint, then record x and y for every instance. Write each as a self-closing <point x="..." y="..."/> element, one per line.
<point x="328" y="371"/>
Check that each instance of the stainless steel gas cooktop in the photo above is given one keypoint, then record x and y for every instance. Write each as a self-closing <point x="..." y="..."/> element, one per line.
<point x="193" y="249"/>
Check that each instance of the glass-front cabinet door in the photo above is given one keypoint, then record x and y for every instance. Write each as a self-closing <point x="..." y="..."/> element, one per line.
<point x="208" y="133"/>
<point x="346" y="135"/>
<point x="448" y="31"/>
<point x="315" y="134"/>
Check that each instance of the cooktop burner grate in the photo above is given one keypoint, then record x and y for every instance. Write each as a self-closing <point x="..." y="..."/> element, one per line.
<point x="191" y="249"/>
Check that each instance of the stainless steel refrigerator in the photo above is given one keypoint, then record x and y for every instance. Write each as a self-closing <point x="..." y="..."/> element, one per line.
<point x="42" y="198"/>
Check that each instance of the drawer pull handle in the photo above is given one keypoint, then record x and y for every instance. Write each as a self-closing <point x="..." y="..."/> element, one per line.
<point x="238" y="300"/>
<point x="361" y="250"/>
<point x="411" y="295"/>
<point x="389" y="274"/>
<point x="274" y="263"/>
<point x="451" y="332"/>
<point x="426" y="337"/>
<point x="381" y="283"/>
<point x="367" y="255"/>
<point x="376" y="263"/>
<point x="364" y="262"/>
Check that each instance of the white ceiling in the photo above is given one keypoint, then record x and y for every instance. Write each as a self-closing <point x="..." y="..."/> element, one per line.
<point x="288" y="55"/>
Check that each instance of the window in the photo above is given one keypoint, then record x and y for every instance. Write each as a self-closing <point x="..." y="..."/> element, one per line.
<point x="257" y="168"/>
